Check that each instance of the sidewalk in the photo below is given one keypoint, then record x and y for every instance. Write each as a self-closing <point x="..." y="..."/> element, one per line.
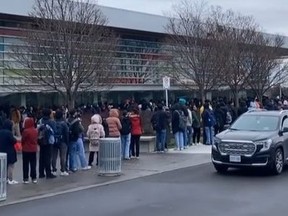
<point x="148" y="164"/>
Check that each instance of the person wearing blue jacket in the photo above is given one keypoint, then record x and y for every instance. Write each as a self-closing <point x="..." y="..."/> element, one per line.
<point x="209" y="121"/>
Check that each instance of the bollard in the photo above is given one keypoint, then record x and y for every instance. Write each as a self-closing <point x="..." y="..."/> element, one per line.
<point x="3" y="176"/>
<point x="110" y="157"/>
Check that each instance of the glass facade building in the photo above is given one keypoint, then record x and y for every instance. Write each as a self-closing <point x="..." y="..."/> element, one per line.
<point x="140" y="57"/>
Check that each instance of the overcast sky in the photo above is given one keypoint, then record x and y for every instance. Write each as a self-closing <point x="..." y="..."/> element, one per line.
<point x="272" y="15"/>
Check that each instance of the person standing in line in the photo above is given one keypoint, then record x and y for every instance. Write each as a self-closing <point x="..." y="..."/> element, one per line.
<point x="189" y="126"/>
<point x="125" y="135"/>
<point x="209" y="122"/>
<point x="61" y="144"/>
<point x="160" y="122"/>
<point x="16" y="119"/>
<point x="46" y="140"/>
<point x="184" y="117"/>
<point x="76" y="146"/>
<point x="113" y="124"/>
<point x="178" y="126"/>
<point x="136" y="132"/>
<point x="29" y="150"/>
<point x="7" y="142"/>
<point x="196" y="124"/>
<point x="94" y="133"/>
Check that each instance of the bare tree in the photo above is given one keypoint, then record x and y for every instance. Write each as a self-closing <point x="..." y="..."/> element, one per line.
<point x="66" y="48"/>
<point x="236" y="34"/>
<point x="193" y="46"/>
<point x="266" y="68"/>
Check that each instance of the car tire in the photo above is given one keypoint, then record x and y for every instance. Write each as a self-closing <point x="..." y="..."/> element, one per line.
<point x="222" y="169"/>
<point x="278" y="162"/>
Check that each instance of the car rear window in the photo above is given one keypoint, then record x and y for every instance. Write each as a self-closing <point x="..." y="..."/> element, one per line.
<point x="256" y="123"/>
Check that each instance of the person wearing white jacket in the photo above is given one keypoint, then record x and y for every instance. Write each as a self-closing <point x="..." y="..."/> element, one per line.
<point x="94" y="133"/>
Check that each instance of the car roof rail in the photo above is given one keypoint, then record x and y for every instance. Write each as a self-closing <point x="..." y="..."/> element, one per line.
<point x="256" y="110"/>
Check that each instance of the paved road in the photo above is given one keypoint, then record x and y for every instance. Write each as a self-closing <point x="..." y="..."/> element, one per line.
<point x="192" y="191"/>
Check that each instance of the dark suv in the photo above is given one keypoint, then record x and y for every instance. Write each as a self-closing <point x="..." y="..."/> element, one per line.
<point x="258" y="138"/>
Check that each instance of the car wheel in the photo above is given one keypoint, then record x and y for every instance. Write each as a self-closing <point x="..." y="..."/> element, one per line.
<point x="221" y="168"/>
<point x="278" y="164"/>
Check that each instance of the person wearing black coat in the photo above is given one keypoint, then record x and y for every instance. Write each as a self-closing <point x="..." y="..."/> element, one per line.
<point x="220" y="116"/>
<point x="7" y="142"/>
<point x="160" y="122"/>
<point x="178" y="132"/>
<point x="242" y="109"/>
<point x="45" y="156"/>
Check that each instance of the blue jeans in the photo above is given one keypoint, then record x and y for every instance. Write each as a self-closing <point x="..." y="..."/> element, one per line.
<point x="160" y="140"/>
<point x="179" y="138"/>
<point x="209" y="131"/>
<point x="189" y="135"/>
<point x="185" y="137"/>
<point x="125" y="146"/>
<point x="77" y="151"/>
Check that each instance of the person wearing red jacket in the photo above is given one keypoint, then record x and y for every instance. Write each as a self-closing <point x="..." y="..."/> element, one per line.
<point x="29" y="150"/>
<point x="136" y="132"/>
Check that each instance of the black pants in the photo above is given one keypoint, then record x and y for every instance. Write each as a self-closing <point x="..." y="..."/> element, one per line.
<point x="135" y="141"/>
<point x="45" y="160"/>
<point x="29" y="161"/>
<point x="196" y="134"/>
<point x="204" y="135"/>
<point x="91" y="158"/>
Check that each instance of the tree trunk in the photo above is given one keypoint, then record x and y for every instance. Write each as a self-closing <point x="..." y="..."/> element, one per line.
<point x="70" y="100"/>
<point x="236" y="96"/>
<point x="202" y="94"/>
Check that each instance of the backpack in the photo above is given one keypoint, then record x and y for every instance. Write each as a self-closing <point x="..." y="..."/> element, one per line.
<point x="228" y="118"/>
<point x="58" y="132"/>
<point x="45" y="135"/>
<point x="94" y="136"/>
<point x="182" y="120"/>
<point x="126" y="126"/>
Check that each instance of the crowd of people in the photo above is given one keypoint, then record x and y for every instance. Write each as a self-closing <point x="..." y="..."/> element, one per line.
<point x="56" y="133"/>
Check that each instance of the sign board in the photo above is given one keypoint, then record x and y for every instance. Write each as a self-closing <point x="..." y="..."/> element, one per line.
<point x="166" y="82"/>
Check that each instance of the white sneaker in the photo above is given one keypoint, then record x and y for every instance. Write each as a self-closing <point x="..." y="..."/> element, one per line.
<point x="12" y="182"/>
<point x="54" y="173"/>
<point x="34" y="181"/>
<point x="25" y="182"/>
<point x="86" y="168"/>
<point x="64" y="173"/>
